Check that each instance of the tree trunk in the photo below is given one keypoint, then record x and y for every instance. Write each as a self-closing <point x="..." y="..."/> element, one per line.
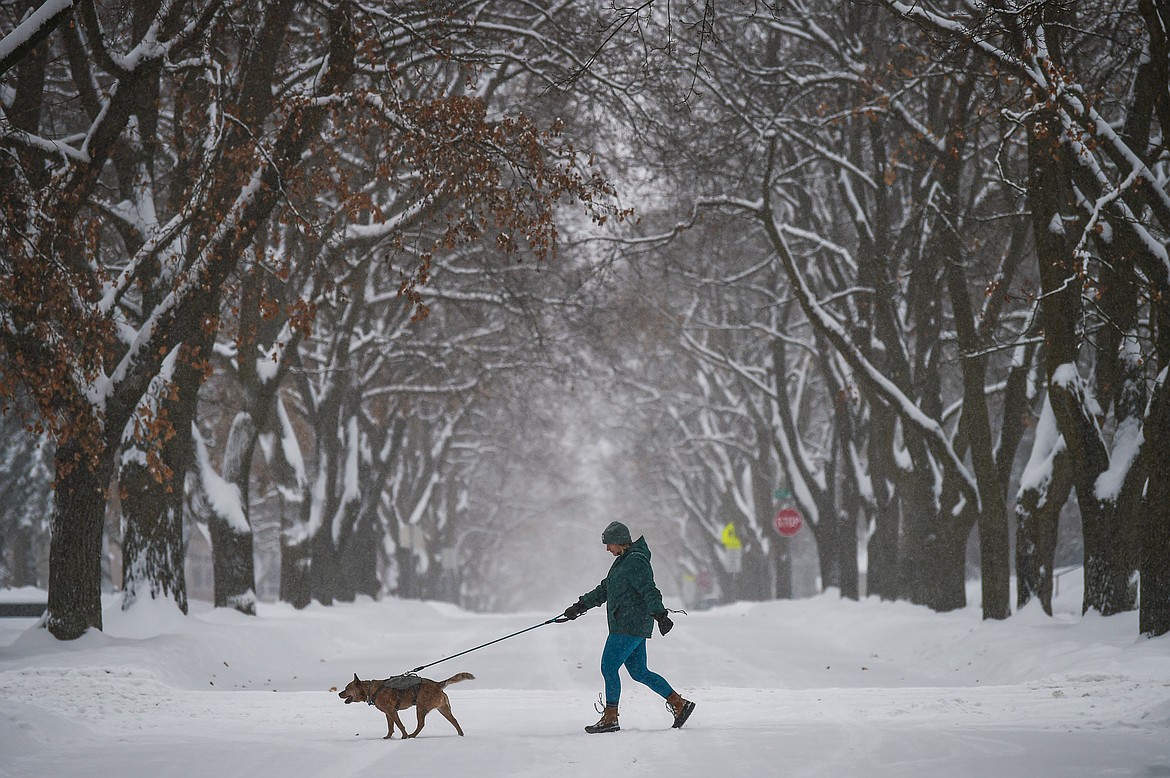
<point x="932" y="568"/>
<point x="408" y="578"/>
<point x="23" y="570"/>
<point x="782" y="568"/>
<point x="845" y="502"/>
<point x="882" y="577"/>
<point x="325" y="572"/>
<point x="827" y="553"/>
<point x="326" y="575"/>
<point x="233" y="565"/>
<point x="838" y="504"/>
<point x="295" y="558"/>
<point x="328" y="570"/>
<point x="942" y="585"/>
<point x="1038" y="509"/>
<point x="1016" y="414"/>
<point x="227" y="521"/>
<point x="75" y="551"/>
<point x="994" y="546"/>
<point x="763" y="481"/>
<point x="847" y="568"/>
<point x="365" y="544"/>
<point x="1109" y="586"/>
<point x="356" y="555"/>
<point x="1120" y="381"/>
<point x="153" y="547"/>
<point x="360" y="552"/>
<point x="835" y="505"/>
<point x="294" y="503"/>
<point x="1154" y="618"/>
<point x="1048" y="193"/>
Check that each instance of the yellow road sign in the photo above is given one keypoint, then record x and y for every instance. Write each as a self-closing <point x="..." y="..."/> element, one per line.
<point x="731" y="541"/>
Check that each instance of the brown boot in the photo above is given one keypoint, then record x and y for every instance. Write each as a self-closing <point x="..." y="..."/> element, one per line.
<point x="679" y="708"/>
<point x="607" y="723"/>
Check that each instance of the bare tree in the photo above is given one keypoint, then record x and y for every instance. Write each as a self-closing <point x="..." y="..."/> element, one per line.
<point x="1100" y="214"/>
<point x="119" y="252"/>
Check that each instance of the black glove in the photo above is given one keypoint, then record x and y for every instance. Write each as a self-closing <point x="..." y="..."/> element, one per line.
<point x="664" y="623"/>
<point x="574" y="610"/>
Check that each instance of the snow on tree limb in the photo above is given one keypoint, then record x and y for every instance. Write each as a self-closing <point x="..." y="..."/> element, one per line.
<point x="880" y="386"/>
<point x="32" y="30"/>
<point x="1078" y="116"/>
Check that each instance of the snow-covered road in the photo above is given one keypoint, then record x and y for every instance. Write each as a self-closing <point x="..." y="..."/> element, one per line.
<point x="817" y="687"/>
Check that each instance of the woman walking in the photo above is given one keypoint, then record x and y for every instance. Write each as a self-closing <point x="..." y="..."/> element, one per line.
<point x="633" y="604"/>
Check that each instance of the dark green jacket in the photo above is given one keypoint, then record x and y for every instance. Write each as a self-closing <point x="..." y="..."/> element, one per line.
<point x="629" y="593"/>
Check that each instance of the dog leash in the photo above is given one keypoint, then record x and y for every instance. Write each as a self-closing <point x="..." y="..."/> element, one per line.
<point x="553" y="620"/>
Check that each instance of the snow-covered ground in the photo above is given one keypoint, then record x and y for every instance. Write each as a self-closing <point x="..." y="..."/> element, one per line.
<point x="818" y="687"/>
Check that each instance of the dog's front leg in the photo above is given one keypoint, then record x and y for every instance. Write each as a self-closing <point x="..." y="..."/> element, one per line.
<point x="392" y="720"/>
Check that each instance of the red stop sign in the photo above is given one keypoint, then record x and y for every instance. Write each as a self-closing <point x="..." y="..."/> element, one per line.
<point x="788" y="522"/>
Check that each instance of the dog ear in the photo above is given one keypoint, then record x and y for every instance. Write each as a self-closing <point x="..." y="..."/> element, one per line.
<point x="355" y="678"/>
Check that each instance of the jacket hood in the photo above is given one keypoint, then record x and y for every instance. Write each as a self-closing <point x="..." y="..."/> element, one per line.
<point x="639" y="547"/>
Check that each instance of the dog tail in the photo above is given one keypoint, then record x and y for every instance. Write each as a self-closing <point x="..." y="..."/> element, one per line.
<point x="457" y="678"/>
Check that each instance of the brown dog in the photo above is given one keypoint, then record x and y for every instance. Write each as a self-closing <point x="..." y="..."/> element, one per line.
<point x="399" y="693"/>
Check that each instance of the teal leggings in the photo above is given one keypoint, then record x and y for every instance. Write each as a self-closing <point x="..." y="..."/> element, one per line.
<point x="630" y="651"/>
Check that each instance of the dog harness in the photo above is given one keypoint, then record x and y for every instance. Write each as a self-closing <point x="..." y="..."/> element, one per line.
<point x="398" y="683"/>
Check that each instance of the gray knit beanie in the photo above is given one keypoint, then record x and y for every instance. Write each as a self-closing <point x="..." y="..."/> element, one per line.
<point x="617" y="533"/>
